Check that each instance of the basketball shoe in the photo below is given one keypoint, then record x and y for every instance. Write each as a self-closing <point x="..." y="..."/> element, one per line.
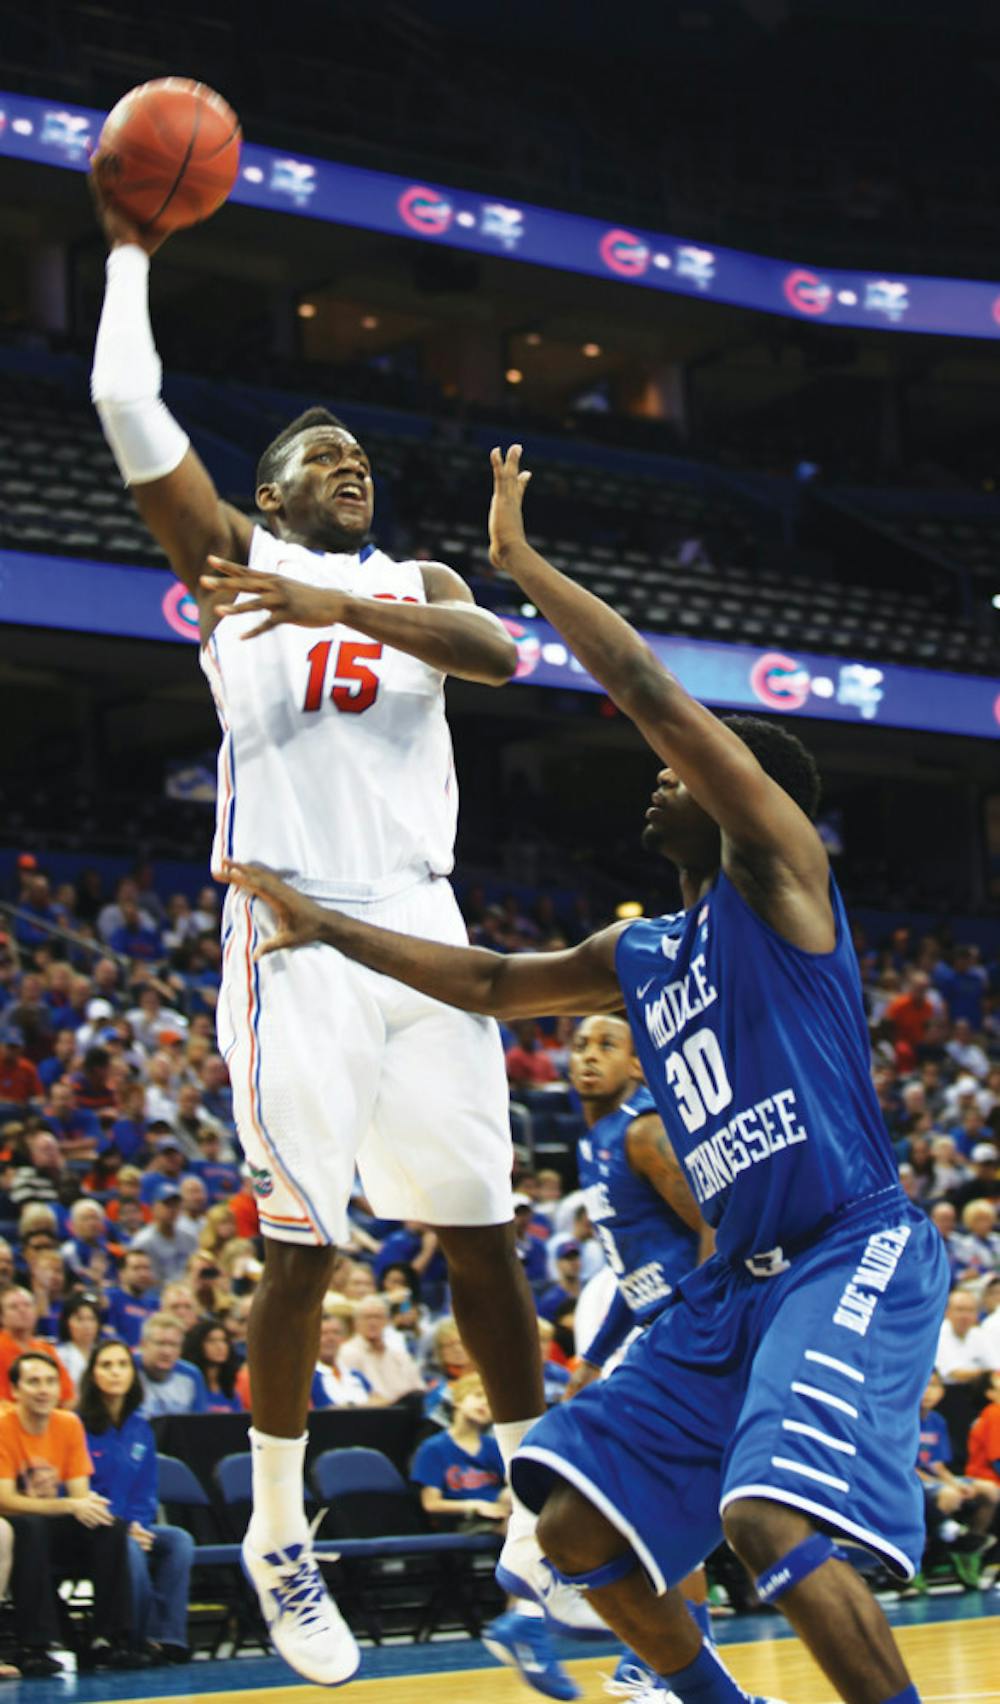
<point x="304" y="1623"/>
<point x="522" y="1571"/>
<point x="634" y="1680"/>
<point x="523" y="1642"/>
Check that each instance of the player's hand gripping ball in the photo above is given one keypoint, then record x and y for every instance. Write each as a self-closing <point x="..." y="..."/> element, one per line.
<point x="168" y="154"/>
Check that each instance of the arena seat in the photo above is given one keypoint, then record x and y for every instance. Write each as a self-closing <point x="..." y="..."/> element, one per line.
<point x="394" y="1565"/>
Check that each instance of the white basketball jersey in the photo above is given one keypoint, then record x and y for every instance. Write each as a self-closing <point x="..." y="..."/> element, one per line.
<point x="336" y="764"/>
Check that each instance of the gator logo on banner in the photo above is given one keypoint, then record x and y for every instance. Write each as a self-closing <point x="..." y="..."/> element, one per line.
<point x="180" y="611"/>
<point x="425" y="211"/>
<point x="624" y="253"/>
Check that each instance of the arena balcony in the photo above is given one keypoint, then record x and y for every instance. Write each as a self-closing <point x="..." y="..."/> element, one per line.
<point x="677" y="546"/>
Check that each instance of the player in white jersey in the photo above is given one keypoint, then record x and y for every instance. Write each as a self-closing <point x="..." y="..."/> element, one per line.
<point x="335" y="768"/>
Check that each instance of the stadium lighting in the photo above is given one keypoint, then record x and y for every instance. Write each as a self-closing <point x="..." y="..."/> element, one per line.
<point x="995" y="600"/>
<point x="628" y="908"/>
<point x="307" y="310"/>
<point x="591" y="350"/>
<point x="528" y="609"/>
<point x="513" y="375"/>
<point x="370" y="322"/>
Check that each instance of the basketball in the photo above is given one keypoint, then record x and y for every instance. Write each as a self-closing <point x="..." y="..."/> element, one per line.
<point x="169" y="153"/>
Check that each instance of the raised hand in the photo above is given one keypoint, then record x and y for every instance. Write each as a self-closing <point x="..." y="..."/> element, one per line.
<point x="116" y="225"/>
<point x="506" y="522"/>
<point x="283" y="601"/>
<point x="300" y="920"/>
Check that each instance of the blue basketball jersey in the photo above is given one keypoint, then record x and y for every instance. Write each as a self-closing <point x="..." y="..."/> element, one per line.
<point x="758" y="1058"/>
<point x="647" y="1246"/>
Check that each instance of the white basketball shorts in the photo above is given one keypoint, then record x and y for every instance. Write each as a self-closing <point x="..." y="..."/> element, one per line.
<point x="335" y="1067"/>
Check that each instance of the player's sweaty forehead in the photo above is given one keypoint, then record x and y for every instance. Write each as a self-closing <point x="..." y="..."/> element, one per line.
<point x="336" y="439"/>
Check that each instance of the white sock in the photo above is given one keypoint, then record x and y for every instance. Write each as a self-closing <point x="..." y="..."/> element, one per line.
<point x="509" y="1435"/>
<point x="278" y="1517"/>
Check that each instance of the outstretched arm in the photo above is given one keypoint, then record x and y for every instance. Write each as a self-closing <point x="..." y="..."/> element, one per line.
<point x="449" y="632"/>
<point x="518" y="985"/>
<point x="172" y="489"/>
<point x="756" y="816"/>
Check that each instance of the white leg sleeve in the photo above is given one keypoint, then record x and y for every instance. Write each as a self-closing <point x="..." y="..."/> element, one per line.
<point x="143" y="435"/>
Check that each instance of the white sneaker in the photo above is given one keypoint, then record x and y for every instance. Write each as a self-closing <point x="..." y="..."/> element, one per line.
<point x="523" y="1572"/>
<point x="639" y="1686"/>
<point x="305" y="1625"/>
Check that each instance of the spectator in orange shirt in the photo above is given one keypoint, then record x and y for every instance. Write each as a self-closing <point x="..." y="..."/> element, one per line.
<point x="128" y="1182"/>
<point x="18" y="1318"/>
<point x="61" y="1528"/>
<point x="909" y="1014"/>
<point x="983" y="1460"/>
<point x="528" y="1063"/>
<point x="20" y="1084"/>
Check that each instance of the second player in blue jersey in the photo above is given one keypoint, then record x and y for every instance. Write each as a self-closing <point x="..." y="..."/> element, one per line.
<point x="775" y="1399"/>
<point x="638" y="1200"/>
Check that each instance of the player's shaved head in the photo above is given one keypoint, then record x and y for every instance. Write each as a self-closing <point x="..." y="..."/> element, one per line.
<point x="603" y="1067"/>
<point x="314" y="484"/>
<point x="271" y="463"/>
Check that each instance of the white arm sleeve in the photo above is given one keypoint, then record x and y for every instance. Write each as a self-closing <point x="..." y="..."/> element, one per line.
<point x="143" y="435"/>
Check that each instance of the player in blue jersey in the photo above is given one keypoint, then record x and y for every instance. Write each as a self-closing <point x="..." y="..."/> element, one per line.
<point x="646" y="1217"/>
<point x="638" y="1199"/>
<point x="776" y="1397"/>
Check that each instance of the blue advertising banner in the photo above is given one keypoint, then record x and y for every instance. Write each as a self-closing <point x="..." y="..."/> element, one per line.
<point x="51" y="134"/>
<point x="148" y="603"/>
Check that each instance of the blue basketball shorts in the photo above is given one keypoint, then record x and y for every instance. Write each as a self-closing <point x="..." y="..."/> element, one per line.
<point x="802" y="1388"/>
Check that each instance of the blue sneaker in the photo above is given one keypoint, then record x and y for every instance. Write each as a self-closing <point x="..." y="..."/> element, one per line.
<point x="523" y="1642"/>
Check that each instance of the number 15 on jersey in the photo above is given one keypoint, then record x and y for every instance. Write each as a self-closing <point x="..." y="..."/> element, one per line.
<point x="355" y="685"/>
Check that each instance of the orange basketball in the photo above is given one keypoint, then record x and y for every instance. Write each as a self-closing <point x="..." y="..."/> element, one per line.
<point x="169" y="153"/>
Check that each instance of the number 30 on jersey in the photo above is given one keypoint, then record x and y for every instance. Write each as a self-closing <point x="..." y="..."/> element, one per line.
<point x="355" y="685"/>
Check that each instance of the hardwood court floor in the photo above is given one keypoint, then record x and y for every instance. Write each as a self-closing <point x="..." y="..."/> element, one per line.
<point x="952" y="1662"/>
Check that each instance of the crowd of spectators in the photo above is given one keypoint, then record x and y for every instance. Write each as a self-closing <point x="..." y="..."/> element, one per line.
<point x="130" y="1247"/>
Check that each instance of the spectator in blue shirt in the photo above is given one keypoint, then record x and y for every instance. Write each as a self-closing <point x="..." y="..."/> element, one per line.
<point x="962" y="985"/>
<point x="530" y="1249"/>
<point x="123" y="1451"/>
<point x="169" y="1385"/>
<point x="60" y="1060"/>
<point x="77" y="1130"/>
<point x="201" y="972"/>
<point x="31" y="930"/>
<point x="127" y="1132"/>
<point x="164" y="1172"/>
<point x="460" y="1472"/>
<point x="567" y="1286"/>
<point x="207" y="1347"/>
<point x="216" y="1091"/>
<point x="134" y="1298"/>
<point x="220" y="1176"/>
<point x="967" y="1500"/>
<point x="65" y="996"/>
<point x="88" y="1258"/>
<point x="134" y="938"/>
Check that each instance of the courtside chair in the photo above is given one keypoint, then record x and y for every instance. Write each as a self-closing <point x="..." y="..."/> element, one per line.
<point x="400" y="1573"/>
<point x="233" y="1482"/>
<point x="186" y="1503"/>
